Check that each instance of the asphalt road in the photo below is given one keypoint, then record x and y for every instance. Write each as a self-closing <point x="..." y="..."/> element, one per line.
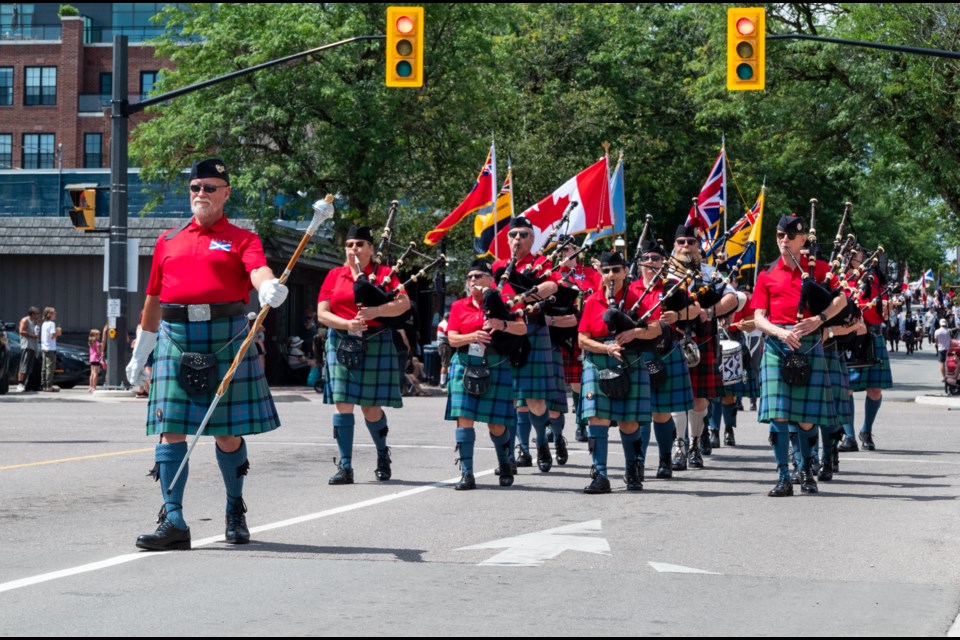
<point x="707" y="553"/>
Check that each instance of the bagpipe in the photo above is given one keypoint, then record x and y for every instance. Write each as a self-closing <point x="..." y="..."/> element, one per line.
<point x="495" y="308"/>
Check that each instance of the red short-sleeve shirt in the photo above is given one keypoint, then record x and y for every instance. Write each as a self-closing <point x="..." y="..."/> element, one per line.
<point x="778" y="290"/>
<point x="337" y="289"/>
<point x="205" y="265"/>
<point x="466" y="316"/>
<point x="591" y="321"/>
<point x="871" y="315"/>
<point x="637" y="288"/>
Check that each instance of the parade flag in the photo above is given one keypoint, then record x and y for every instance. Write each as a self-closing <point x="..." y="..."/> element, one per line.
<point x="480" y="200"/>
<point x="590" y="189"/>
<point x="745" y="232"/>
<point x="705" y="215"/>
<point x="487" y="227"/>
<point x="618" y="208"/>
<point x="924" y="280"/>
<point x="906" y="278"/>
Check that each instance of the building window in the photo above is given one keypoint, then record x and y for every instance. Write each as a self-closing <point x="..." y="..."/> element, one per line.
<point x="38" y="150"/>
<point x="147" y="80"/>
<point x="16" y="20"/>
<point x="40" y="86"/>
<point x="92" y="150"/>
<point x="6" y="151"/>
<point x="135" y="19"/>
<point x="6" y="86"/>
<point x="106" y="84"/>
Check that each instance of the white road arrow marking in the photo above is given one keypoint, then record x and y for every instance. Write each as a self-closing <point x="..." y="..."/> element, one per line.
<point x="533" y="549"/>
<point x="663" y="567"/>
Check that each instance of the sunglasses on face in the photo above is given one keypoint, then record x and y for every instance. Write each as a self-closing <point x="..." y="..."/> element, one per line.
<point x="519" y="234"/>
<point x="359" y="244"/>
<point x="789" y="236"/>
<point x="651" y="257"/>
<point x="476" y="276"/>
<point x="685" y="241"/>
<point x="611" y="270"/>
<point x="206" y="188"/>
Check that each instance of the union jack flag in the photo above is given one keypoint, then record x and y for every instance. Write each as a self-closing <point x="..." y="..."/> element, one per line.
<point x="711" y="203"/>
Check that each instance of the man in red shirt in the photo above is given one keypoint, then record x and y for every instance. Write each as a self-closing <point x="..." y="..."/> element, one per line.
<point x="795" y="383"/>
<point x="200" y="281"/>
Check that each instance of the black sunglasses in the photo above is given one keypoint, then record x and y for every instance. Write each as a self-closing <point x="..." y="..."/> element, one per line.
<point x="609" y="270"/>
<point x="789" y="236"/>
<point x="651" y="257"/>
<point x="207" y="188"/>
<point x="685" y="241"/>
<point x="476" y="276"/>
<point x="519" y="234"/>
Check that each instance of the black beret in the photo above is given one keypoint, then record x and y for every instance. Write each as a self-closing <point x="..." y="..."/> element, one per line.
<point x="360" y="233"/>
<point x="791" y="224"/>
<point x="480" y="265"/>
<point x="652" y="246"/>
<point x="520" y="221"/>
<point x="684" y="231"/>
<point x="612" y="259"/>
<point x="210" y="168"/>
<point x="565" y="239"/>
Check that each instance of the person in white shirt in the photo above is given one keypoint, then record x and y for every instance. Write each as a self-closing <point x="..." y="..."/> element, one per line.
<point x="48" y="347"/>
<point x="942" y="338"/>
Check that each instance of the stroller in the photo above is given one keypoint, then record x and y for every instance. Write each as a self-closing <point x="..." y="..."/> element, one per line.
<point x="952" y="368"/>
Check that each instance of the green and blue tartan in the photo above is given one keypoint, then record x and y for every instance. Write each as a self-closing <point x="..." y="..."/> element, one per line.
<point x="246" y="406"/>
<point x="839" y="385"/>
<point x="374" y="383"/>
<point x="676" y="393"/>
<point x="636" y="407"/>
<point x="879" y="376"/>
<point x="493" y="407"/>
<point x="537" y="379"/>
<point x="558" y="400"/>
<point x="779" y="400"/>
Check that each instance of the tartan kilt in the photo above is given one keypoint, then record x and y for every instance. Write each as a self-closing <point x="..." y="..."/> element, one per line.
<point x="811" y="403"/>
<point x="751" y="388"/>
<point x="839" y="385"/>
<point x="572" y="364"/>
<point x="493" y="407"/>
<point x="246" y="407"/>
<point x="537" y="379"/>
<point x="558" y="400"/>
<point x="675" y="394"/>
<point x="636" y="407"/>
<point x="705" y="378"/>
<point x="879" y="376"/>
<point x="373" y="383"/>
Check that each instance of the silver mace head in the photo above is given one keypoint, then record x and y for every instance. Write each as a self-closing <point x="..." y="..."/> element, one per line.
<point x="322" y="211"/>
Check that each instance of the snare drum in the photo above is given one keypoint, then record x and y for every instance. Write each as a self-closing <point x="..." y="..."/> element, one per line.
<point x="732" y="362"/>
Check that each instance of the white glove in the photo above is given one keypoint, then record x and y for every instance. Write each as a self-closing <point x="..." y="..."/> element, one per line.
<point x="146" y="341"/>
<point x="272" y="293"/>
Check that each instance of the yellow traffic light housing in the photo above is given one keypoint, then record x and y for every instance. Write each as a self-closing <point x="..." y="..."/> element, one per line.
<point x="405" y="47"/>
<point x="746" y="48"/>
<point x="84" y="207"/>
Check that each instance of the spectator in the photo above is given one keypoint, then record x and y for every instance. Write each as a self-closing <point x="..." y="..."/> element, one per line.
<point x="49" y="332"/>
<point x="942" y="338"/>
<point x="29" y="334"/>
<point x="444" y="350"/>
<point x="96" y="353"/>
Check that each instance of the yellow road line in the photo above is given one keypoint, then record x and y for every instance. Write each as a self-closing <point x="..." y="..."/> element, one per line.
<point x="98" y="455"/>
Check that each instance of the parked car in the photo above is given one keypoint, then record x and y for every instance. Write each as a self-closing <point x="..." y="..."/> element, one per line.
<point x="4" y="357"/>
<point x="73" y="364"/>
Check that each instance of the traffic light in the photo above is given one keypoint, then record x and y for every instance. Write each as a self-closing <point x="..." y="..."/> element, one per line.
<point x="84" y="208"/>
<point x="746" y="48"/>
<point x="404" y="46"/>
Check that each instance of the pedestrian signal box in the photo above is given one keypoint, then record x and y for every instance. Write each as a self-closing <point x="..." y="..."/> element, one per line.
<point x="405" y="47"/>
<point x="84" y="207"/>
<point x="746" y="48"/>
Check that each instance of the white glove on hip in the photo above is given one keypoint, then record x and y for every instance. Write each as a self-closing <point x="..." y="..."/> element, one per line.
<point x="272" y="293"/>
<point x="146" y="341"/>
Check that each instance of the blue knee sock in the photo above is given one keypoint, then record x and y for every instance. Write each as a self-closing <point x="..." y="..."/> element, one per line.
<point x="627" y="440"/>
<point x="644" y="441"/>
<point x="729" y="415"/>
<point x="780" y="442"/>
<point x="848" y="426"/>
<point x="716" y="410"/>
<point x="501" y="444"/>
<point x="233" y="468"/>
<point x="523" y="430"/>
<point x="576" y="410"/>
<point x="664" y="431"/>
<point x="540" y="426"/>
<point x="169" y="457"/>
<point x="378" y="431"/>
<point x="511" y="437"/>
<point x="870" y="410"/>
<point x="557" y="424"/>
<point x="808" y="440"/>
<point x="465" y="440"/>
<point x="343" y="431"/>
<point x="599" y="436"/>
<point x="828" y="442"/>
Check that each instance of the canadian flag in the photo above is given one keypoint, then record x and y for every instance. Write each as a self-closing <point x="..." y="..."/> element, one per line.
<point x="589" y="189"/>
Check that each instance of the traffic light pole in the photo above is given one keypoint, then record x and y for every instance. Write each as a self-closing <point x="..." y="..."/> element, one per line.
<point x="120" y="113"/>
<point x="938" y="53"/>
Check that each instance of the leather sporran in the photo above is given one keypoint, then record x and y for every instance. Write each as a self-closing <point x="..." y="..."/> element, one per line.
<point x="796" y="369"/>
<point x="658" y="372"/>
<point x="197" y="373"/>
<point x="476" y="379"/>
<point x="350" y="352"/>
<point x="615" y="382"/>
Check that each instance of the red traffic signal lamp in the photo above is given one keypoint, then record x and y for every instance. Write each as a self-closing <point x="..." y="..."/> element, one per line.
<point x="84" y="207"/>
<point x="746" y="48"/>
<point x="405" y="47"/>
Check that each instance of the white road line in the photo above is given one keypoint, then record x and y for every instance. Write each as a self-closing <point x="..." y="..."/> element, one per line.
<point x="130" y="557"/>
<point x="663" y="567"/>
